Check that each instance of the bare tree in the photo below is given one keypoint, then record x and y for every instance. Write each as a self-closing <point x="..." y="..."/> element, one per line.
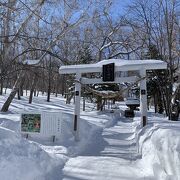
<point x="155" y="23"/>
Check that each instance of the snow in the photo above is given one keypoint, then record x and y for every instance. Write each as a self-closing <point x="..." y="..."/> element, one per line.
<point x="132" y="101"/>
<point x="120" y="65"/>
<point x="31" y="61"/>
<point x="21" y="159"/>
<point x="111" y="146"/>
<point x="163" y="141"/>
<point x="122" y="62"/>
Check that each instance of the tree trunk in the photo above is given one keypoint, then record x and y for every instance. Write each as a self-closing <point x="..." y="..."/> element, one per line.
<point x="18" y="94"/>
<point x="63" y="85"/>
<point x="49" y="90"/>
<point x="99" y="103"/>
<point x="49" y="83"/>
<point x="31" y="96"/>
<point x="9" y="100"/>
<point x="84" y="105"/>
<point x="7" y="103"/>
<point x="21" y="87"/>
<point x="48" y="94"/>
<point x="5" y="90"/>
<point x="35" y="92"/>
<point x="2" y="84"/>
<point x="57" y="86"/>
<point x="32" y="88"/>
<point x="155" y="104"/>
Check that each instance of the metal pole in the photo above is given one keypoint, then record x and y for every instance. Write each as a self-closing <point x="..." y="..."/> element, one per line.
<point x="77" y="106"/>
<point x="143" y="98"/>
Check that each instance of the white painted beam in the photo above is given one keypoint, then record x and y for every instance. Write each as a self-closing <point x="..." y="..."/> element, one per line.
<point x="117" y="80"/>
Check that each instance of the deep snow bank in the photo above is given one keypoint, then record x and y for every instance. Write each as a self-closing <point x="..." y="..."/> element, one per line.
<point x="21" y="159"/>
<point x="90" y="133"/>
<point x="161" y="152"/>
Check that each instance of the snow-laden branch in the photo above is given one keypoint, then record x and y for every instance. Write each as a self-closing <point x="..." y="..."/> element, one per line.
<point x="110" y="44"/>
<point x="128" y="52"/>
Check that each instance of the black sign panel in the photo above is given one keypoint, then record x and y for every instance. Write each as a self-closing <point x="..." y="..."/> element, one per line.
<point x="143" y="92"/>
<point x="77" y="93"/>
<point x="108" y="72"/>
<point x="75" y="122"/>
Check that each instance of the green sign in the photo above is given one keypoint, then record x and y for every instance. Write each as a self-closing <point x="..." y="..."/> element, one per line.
<point x="30" y="122"/>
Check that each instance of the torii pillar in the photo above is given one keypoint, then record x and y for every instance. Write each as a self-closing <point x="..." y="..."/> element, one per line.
<point x="143" y="97"/>
<point x="77" y="106"/>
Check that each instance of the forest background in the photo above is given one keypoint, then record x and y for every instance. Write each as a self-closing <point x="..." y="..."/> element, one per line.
<point x="37" y="37"/>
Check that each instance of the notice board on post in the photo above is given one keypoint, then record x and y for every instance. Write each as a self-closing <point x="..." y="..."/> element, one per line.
<point x="44" y="124"/>
<point x="108" y="72"/>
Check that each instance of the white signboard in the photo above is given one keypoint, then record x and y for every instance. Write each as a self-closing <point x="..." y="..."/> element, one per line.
<point x="45" y="123"/>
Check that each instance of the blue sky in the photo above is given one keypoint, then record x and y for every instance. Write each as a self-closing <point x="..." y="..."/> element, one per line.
<point x="118" y="7"/>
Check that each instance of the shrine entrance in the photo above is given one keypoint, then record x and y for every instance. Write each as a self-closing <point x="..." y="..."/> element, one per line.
<point x="109" y="70"/>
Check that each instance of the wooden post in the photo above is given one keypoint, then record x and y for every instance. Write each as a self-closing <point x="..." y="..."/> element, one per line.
<point x="84" y="106"/>
<point x="84" y="102"/>
<point x="77" y="106"/>
<point x="143" y="98"/>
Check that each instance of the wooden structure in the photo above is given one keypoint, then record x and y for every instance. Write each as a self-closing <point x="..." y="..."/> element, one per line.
<point x="108" y="68"/>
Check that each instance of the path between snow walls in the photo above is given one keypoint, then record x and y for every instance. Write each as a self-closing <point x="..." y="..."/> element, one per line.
<point x="106" y="150"/>
<point x="130" y="153"/>
<point x="116" y="160"/>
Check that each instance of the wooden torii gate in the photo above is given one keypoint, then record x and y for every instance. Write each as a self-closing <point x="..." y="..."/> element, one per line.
<point x="109" y="68"/>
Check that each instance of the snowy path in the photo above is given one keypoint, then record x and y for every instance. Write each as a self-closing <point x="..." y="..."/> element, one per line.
<point x="121" y="141"/>
<point x="120" y="151"/>
<point x="107" y="150"/>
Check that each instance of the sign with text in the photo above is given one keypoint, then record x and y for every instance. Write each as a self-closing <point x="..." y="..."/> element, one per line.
<point x="108" y="72"/>
<point x="31" y="123"/>
<point x="42" y="123"/>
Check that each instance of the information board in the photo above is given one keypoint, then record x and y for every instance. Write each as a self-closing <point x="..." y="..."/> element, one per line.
<point x="43" y="124"/>
<point x="108" y="72"/>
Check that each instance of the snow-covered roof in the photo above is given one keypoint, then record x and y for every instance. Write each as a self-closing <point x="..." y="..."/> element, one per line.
<point x="120" y="65"/>
<point x="31" y="62"/>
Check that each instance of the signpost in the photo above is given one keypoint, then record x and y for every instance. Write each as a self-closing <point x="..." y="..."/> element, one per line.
<point x="43" y="124"/>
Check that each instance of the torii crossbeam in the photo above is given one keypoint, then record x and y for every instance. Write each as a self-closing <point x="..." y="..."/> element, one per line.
<point x="119" y="65"/>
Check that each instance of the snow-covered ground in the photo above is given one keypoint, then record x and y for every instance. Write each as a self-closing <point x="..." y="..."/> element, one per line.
<point x="111" y="147"/>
